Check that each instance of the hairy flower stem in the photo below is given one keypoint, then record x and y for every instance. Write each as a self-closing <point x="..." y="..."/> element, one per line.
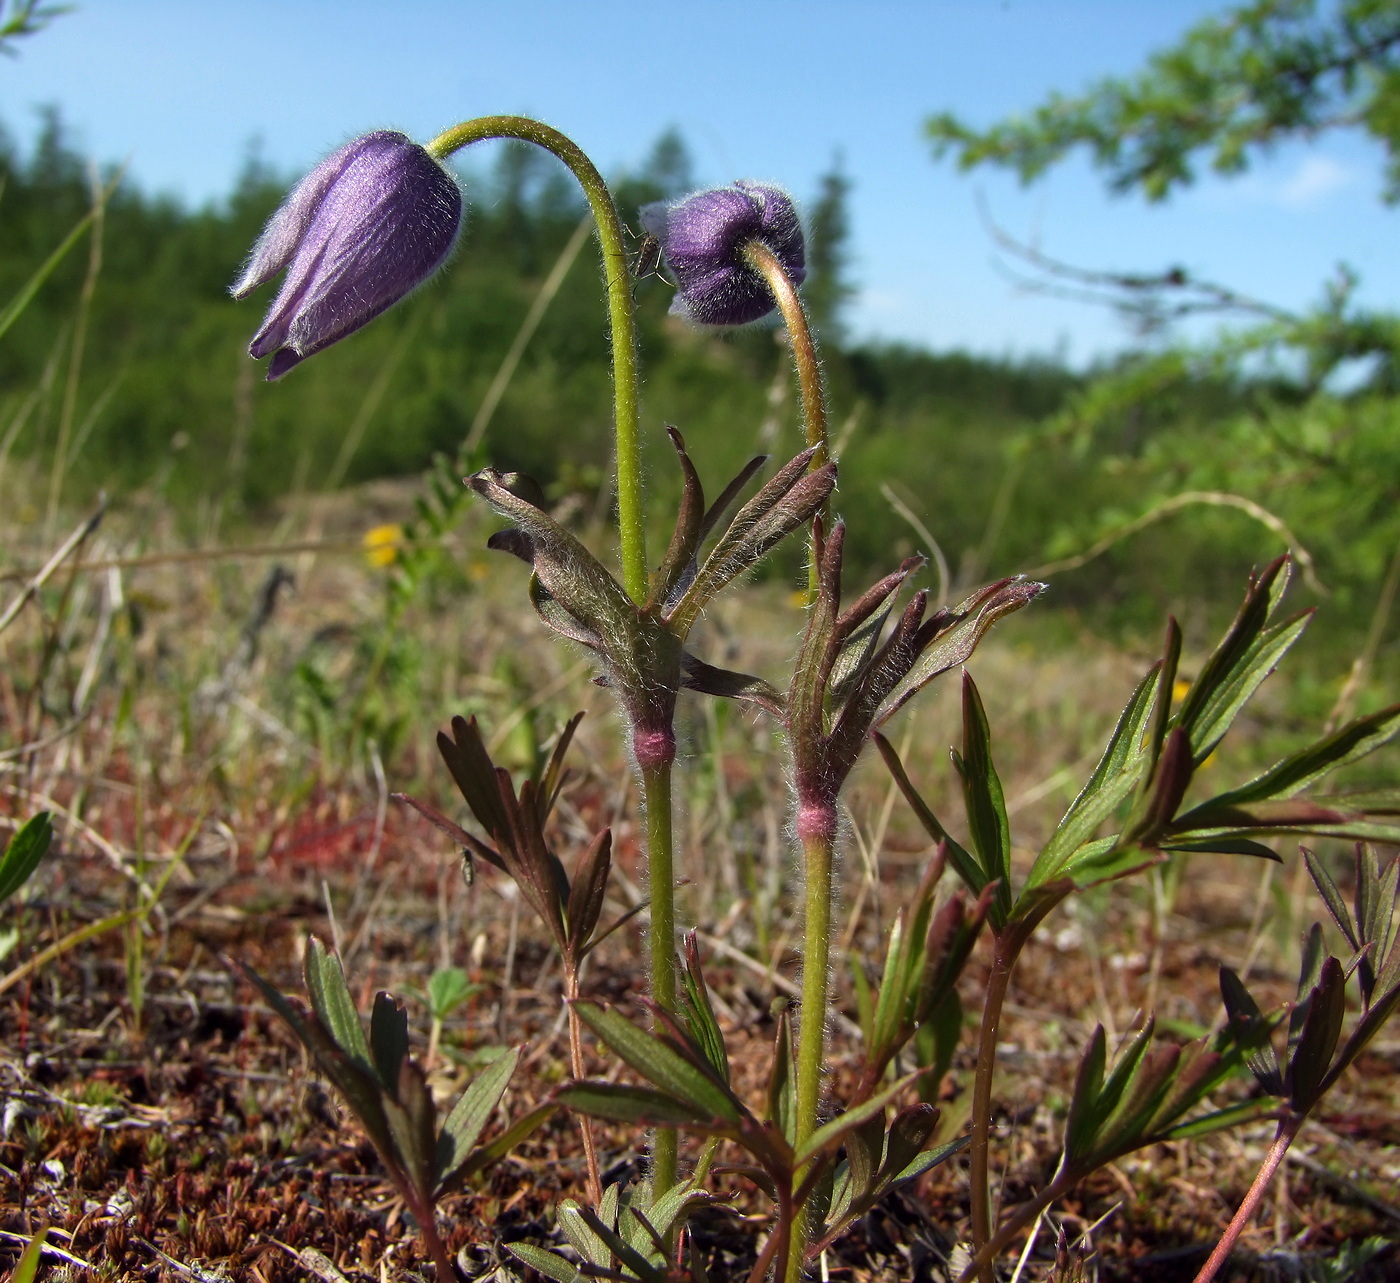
<point x="804" y="358"/>
<point x="804" y="348"/>
<point x="1004" y="951"/>
<point x="656" y="804"/>
<point x="578" y="1069"/>
<point x="1287" y="1131"/>
<point x="818" y="859"/>
<point x="617" y="274"/>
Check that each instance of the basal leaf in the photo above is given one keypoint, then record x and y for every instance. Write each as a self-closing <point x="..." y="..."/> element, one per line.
<point x="549" y="1264"/>
<point x="640" y="1106"/>
<point x="487" y="1155"/>
<point x="463" y="1126"/>
<point x="331" y="1000"/>
<point x="413" y="1123"/>
<point x="388" y="1037"/>
<point x="580" y="1234"/>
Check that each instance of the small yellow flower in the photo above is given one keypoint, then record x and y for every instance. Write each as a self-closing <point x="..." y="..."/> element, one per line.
<point x="381" y="544"/>
<point x="1180" y="688"/>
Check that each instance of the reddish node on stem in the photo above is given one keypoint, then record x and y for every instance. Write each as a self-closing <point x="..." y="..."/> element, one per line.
<point x="816" y="820"/>
<point x="654" y="749"/>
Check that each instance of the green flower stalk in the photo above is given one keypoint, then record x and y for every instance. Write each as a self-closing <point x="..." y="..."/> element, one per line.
<point x="622" y="316"/>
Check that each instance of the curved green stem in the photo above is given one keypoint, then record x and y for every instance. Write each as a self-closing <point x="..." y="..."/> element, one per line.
<point x="656" y="804"/>
<point x="804" y="348"/>
<point x="804" y="359"/>
<point x="617" y="274"/>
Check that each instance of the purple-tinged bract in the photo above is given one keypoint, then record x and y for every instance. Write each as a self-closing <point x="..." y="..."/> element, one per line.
<point x="363" y="229"/>
<point x="703" y="237"/>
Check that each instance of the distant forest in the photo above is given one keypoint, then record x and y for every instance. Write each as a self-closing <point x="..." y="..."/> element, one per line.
<point x="168" y="402"/>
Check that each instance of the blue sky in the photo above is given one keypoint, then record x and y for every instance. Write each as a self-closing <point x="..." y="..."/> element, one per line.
<point x="766" y="89"/>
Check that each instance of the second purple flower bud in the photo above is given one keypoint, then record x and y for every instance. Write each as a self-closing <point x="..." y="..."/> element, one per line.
<point x="702" y="239"/>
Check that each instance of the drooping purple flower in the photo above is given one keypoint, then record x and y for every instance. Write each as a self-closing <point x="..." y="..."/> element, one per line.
<point x="703" y="237"/>
<point x="363" y="229"/>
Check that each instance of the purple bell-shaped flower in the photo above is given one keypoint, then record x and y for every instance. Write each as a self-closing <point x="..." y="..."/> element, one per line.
<point x="362" y="230"/>
<point x="702" y="238"/>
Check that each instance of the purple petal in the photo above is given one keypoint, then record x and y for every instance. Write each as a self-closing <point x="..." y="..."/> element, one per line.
<point x="385" y="222"/>
<point x="286" y="227"/>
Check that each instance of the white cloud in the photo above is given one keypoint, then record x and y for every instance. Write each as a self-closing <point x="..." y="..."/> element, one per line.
<point x="1316" y="178"/>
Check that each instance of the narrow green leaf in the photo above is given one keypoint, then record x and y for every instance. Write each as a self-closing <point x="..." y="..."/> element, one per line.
<point x="484" y="1156"/>
<point x="1247" y="1111"/>
<point x="355" y="1081"/>
<point x="1162" y="702"/>
<point x="865" y="1000"/>
<point x="463" y="1126"/>
<point x="1376" y="895"/>
<point x="388" y="1038"/>
<point x="641" y="1106"/>
<point x="550" y="1265"/>
<point x="1084" y="1115"/>
<point x="963" y="862"/>
<point x="580" y="1234"/>
<point x="1095" y="863"/>
<point x="1353" y="741"/>
<point x="661" y="1065"/>
<point x="28" y="1264"/>
<point x="23" y="853"/>
<point x="1245" y="1017"/>
<point x="1317" y="1040"/>
<point x="1110" y="1096"/>
<point x="1123" y="763"/>
<point x="1224" y="703"/>
<point x="894" y="990"/>
<point x="700" y="1020"/>
<point x="331" y="1000"/>
<point x="1230" y="657"/>
<point x="413" y="1125"/>
<point x="782" y="1082"/>
<point x="831" y="1134"/>
<point x="12" y="310"/>
<point x="673" y="1205"/>
<point x="1225" y="846"/>
<point x="986" y="806"/>
<point x="622" y="1249"/>
<point x="929" y="1159"/>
